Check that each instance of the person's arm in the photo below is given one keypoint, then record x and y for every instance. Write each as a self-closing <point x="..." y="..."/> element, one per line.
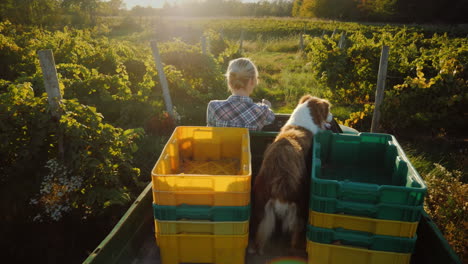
<point x="265" y="101"/>
<point x="267" y="112"/>
<point x="270" y="116"/>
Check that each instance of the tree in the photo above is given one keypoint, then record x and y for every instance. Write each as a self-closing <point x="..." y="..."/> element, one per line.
<point x="84" y="11"/>
<point x="111" y="8"/>
<point x="38" y="12"/>
<point x="296" y="9"/>
<point x="307" y="8"/>
<point x="385" y="10"/>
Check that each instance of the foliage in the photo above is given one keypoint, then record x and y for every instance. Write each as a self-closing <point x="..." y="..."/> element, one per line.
<point x="432" y="98"/>
<point x="117" y="77"/>
<point x="428" y="106"/>
<point x="188" y="59"/>
<point x="446" y="203"/>
<point x="99" y="78"/>
<point x="40" y="12"/>
<point x="383" y="10"/>
<point x="93" y="172"/>
<point x="296" y="9"/>
<point x="113" y="124"/>
<point x="126" y="26"/>
<point x="334" y="9"/>
<point x="10" y="54"/>
<point x="221" y="47"/>
<point x="212" y="8"/>
<point x="56" y="13"/>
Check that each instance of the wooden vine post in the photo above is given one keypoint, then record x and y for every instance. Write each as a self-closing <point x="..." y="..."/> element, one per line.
<point x="241" y="40"/>
<point x="301" y="39"/>
<point x="51" y="84"/>
<point x="162" y="78"/>
<point x="342" y="40"/>
<point x="301" y="42"/>
<point x="379" y="93"/>
<point x="204" y="45"/>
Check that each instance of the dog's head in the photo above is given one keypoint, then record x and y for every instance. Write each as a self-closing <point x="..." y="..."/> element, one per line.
<point x="312" y="113"/>
<point x="319" y="108"/>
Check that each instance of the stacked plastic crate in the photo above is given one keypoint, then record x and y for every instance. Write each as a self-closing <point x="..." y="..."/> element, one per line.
<point x="366" y="200"/>
<point x="201" y="195"/>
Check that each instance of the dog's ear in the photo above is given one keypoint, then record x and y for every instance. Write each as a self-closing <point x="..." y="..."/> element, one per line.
<point x="325" y="108"/>
<point x="319" y="109"/>
<point x="305" y="98"/>
<point x="326" y="104"/>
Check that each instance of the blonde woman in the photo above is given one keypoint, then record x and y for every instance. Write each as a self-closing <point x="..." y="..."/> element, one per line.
<point x="239" y="110"/>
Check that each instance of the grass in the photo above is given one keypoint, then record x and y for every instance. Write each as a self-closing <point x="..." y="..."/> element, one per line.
<point x="288" y="44"/>
<point x="283" y="79"/>
<point x="420" y="161"/>
<point x="424" y="153"/>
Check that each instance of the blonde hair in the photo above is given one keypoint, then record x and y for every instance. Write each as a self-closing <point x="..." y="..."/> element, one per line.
<point x="239" y="73"/>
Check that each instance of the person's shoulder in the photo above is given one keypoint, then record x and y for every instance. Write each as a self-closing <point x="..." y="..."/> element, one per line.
<point x="216" y="103"/>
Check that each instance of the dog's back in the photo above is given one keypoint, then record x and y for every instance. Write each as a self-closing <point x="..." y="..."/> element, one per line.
<point x="284" y="165"/>
<point x="281" y="187"/>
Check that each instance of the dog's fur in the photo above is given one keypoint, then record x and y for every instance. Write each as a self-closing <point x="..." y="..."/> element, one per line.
<point x="282" y="185"/>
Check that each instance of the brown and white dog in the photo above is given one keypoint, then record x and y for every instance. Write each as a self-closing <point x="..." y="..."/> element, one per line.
<point x="281" y="188"/>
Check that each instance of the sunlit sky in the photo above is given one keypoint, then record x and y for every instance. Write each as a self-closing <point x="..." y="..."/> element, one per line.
<point x="159" y="3"/>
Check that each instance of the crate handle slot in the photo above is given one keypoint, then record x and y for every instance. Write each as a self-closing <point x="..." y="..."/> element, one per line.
<point x="186" y="212"/>
<point x="347" y="237"/>
<point x="361" y="239"/>
<point x="354" y="238"/>
<point x="359" y="191"/>
<point x="357" y="208"/>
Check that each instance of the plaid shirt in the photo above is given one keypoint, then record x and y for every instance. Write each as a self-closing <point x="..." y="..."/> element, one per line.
<point x="239" y="111"/>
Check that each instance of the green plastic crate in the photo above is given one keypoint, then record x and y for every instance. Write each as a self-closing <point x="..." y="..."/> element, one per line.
<point x="384" y="211"/>
<point x="365" y="167"/>
<point x="201" y="212"/>
<point x="361" y="239"/>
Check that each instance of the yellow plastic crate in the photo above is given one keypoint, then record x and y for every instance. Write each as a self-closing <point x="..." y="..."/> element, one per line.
<point x="365" y="224"/>
<point x="205" y="160"/>
<point x="202" y="249"/>
<point x="335" y="254"/>
<point x="201" y="227"/>
<point x="201" y="198"/>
